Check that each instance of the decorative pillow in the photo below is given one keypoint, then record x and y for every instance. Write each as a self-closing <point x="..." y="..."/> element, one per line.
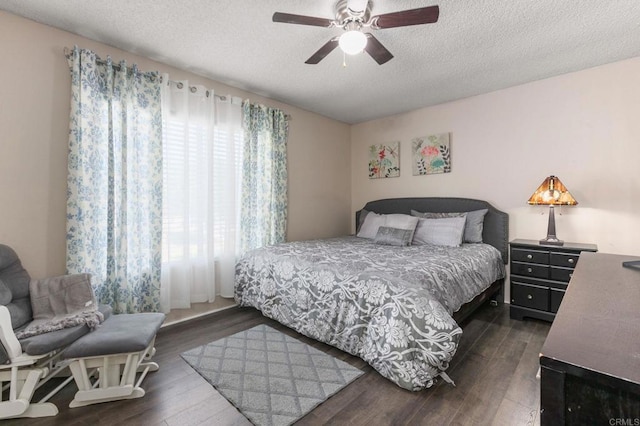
<point x="473" y="227"/>
<point x="393" y="236"/>
<point x="441" y="232"/>
<point x="370" y="225"/>
<point x="373" y="221"/>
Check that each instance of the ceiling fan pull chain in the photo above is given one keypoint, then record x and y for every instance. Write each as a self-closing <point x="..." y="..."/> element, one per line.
<point x="344" y="60"/>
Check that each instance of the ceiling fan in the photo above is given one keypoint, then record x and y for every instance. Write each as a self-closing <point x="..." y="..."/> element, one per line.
<point x="353" y="16"/>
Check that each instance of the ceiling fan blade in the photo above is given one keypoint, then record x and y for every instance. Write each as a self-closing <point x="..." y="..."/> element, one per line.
<point x="323" y="51"/>
<point x="288" y="18"/>
<point x="376" y="50"/>
<point x="423" y="15"/>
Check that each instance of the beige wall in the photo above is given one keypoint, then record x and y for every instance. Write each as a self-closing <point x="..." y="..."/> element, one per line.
<point x="583" y="127"/>
<point x="34" y="122"/>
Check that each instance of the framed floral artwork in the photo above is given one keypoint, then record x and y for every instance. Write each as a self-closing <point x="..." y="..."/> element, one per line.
<point x="431" y="154"/>
<point x="384" y="160"/>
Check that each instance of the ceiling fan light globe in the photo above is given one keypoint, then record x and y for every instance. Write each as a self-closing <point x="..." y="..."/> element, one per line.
<point x="352" y="42"/>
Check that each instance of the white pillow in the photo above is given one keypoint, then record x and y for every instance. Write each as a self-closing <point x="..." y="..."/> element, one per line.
<point x="373" y="221"/>
<point x="370" y="226"/>
<point x="402" y="221"/>
<point x="441" y="232"/>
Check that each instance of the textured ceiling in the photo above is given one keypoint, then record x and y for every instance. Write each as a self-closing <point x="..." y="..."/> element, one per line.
<point x="475" y="47"/>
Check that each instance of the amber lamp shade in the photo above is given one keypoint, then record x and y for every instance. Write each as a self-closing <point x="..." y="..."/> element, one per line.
<point x="552" y="192"/>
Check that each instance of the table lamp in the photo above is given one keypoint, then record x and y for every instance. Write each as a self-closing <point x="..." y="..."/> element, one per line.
<point x="552" y="193"/>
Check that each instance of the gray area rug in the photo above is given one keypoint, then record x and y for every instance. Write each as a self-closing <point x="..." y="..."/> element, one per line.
<point x="272" y="378"/>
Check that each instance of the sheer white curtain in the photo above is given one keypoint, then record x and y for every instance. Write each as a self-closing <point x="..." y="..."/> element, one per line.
<point x="202" y="162"/>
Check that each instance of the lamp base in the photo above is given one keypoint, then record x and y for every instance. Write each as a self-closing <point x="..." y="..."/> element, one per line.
<point x="551" y="239"/>
<point x="551" y="242"/>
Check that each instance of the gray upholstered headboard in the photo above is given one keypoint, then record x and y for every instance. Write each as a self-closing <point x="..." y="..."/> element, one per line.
<point x="496" y="222"/>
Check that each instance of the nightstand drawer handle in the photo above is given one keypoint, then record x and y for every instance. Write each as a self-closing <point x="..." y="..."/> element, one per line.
<point x="570" y="260"/>
<point x="529" y="270"/>
<point x="529" y="296"/>
<point x="529" y="256"/>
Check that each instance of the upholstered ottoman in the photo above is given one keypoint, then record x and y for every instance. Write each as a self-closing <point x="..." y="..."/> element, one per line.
<point x="117" y="350"/>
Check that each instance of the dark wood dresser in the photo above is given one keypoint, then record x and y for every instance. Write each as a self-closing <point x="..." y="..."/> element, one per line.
<point x="590" y="361"/>
<point x="540" y="275"/>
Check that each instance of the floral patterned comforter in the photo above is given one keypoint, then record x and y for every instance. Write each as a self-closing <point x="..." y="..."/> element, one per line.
<point x="391" y="306"/>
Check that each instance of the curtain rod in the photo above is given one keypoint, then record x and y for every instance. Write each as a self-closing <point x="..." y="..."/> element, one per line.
<point x="192" y="89"/>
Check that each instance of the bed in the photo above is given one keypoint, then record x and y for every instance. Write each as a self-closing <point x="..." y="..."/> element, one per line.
<point x="397" y="308"/>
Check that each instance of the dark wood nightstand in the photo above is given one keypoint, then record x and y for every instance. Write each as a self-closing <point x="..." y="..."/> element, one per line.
<point x="540" y="275"/>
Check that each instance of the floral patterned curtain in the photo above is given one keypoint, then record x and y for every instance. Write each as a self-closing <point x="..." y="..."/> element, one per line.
<point x="264" y="177"/>
<point x="114" y="195"/>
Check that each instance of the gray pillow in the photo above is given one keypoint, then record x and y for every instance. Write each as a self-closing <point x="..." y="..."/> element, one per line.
<point x="393" y="236"/>
<point x="440" y="232"/>
<point x="473" y="227"/>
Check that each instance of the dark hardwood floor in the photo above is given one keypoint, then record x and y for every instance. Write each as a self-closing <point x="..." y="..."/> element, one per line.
<point x="494" y="370"/>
